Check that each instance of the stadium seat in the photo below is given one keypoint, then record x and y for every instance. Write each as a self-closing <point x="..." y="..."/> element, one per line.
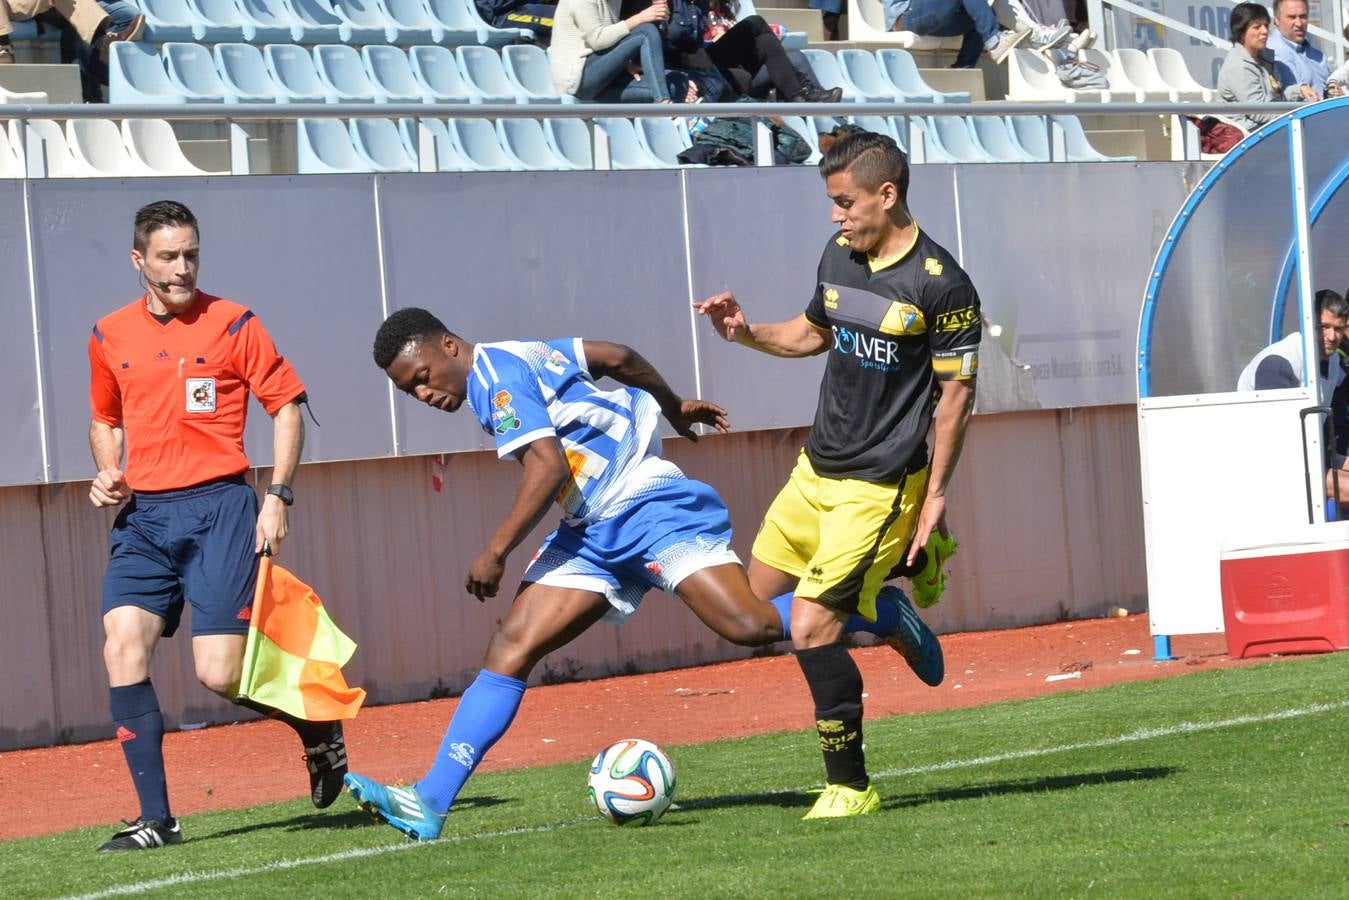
<point x="495" y="37"/>
<point x="192" y="72"/>
<point x="1122" y="87"/>
<point x="902" y="71"/>
<point x="437" y="74"/>
<point x="292" y="71"/>
<point x="1079" y="146"/>
<point x="378" y="145"/>
<point x="862" y="70"/>
<point x="11" y="161"/>
<point x="1031" y="79"/>
<point x="475" y="140"/>
<point x="524" y="139"/>
<point x="464" y="27"/>
<point x="152" y="143"/>
<point x="877" y="124"/>
<point x="1136" y="65"/>
<point x="365" y="22"/>
<point x="97" y="144"/>
<point x="934" y="151"/>
<point x="414" y="24"/>
<point x="830" y="75"/>
<point x="27" y="98"/>
<point x="664" y="138"/>
<point x="526" y="67"/>
<point x="317" y="23"/>
<point x="271" y="21"/>
<point x="60" y="162"/>
<point x="343" y="76"/>
<point x="1170" y="66"/>
<point x="323" y="147"/>
<point x="447" y="157"/>
<point x="214" y="21"/>
<point x="166" y="20"/>
<point x="624" y="150"/>
<point x="1032" y="133"/>
<point x="136" y="75"/>
<point x="995" y="135"/>
<point x="570" y="139"/>
<point x="391" y="74"/>
<point x="803" y="127"/>
<point x="866" y="22"/>
<point x="243" y="74"/>
<point x="954" y="139"/>
<point x="484" y="74"/>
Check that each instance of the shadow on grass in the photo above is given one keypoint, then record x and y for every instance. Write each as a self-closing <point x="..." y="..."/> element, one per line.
<point x="803" y="799"/>
<point x="346" y="818"/>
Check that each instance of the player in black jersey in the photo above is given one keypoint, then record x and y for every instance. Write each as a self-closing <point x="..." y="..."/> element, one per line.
<point x="900" y="321"/>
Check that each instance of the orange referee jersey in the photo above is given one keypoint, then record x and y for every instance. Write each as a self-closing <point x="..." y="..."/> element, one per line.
<point x="179" y="389"/>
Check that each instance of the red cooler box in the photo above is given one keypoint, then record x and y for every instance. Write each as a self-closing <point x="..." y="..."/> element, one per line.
<point x="1287" y="591"/>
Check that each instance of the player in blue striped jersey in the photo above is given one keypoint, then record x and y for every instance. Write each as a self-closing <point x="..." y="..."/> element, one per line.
<point x="631" y="521"/>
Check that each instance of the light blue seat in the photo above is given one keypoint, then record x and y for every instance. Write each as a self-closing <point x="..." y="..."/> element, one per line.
<point x="192" y="72"/>
<point x="898" y="66"/>
<point x="831" y="75"/>
<point x="461" y="27"/>
<point x="292" y="71"/>
<point x="243" y="74"/>
<point x="862" y="70"/>
<point x="995" y="136"/>
<point x="624" y="150"/>
<point x="437" y="74"/>
<point x="570" y="139"/>
<point x="934" y="151"/>
<point x="1079" y="147"/>
<point x="526" y="67"/>
<point x="323" y="147"/>
<point x="475" y="140"/>
<point x="391" y="74"/>
<point x="364" y="23"/>
<point x="218" y="20"/>
<point x="1032" y="133"/>
<point x="377" y="144"/>
<point x="795" y="40"/>
<point x="447" y="157"/>
<point x="490" y="35"/>
<point x="802" y="126"/>
<point x="955" y="139"/>
<point x="343" y="76"/>
<point x="136" y="75"/>
<point x="271" y="21"/>
<point x="878" y="124"/>
<point x="484" y="74"/>
<point x="317" y="23"/>
<point x="165" y="20"/>
<point x="410" y="18"/>
<point x="524" y="139"/>
<point x="663" y="138"/>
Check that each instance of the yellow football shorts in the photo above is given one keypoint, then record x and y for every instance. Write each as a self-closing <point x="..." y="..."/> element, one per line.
<point x="840" y="536"/>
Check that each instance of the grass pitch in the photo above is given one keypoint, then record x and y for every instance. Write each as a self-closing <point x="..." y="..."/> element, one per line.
<point x="1217" y="784"/>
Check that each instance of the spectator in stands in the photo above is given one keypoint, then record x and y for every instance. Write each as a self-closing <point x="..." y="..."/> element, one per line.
<point x="1247" y="74"/>
<point x="93" y="70"/>
<point x="86" y="16"/>
<point x="597" y="56"/>
<point x="947" y="18"/>
<point x="1295" y="60"/>
<point x="530" y="15"/>
<point x="830" y="12"/>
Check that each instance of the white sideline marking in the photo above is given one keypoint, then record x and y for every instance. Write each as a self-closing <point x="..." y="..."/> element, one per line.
<point x="1142" y="734"/>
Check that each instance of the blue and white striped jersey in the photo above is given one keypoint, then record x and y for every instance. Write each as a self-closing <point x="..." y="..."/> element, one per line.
<point x="522" y="391"/>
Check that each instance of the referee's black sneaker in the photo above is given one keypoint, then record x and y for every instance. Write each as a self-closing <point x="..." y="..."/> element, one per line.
<point x="144" y="834"/>
<point x="327" y="764"/>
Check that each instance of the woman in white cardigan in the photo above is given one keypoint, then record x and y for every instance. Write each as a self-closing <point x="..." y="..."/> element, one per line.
<point x="597" y="56"/>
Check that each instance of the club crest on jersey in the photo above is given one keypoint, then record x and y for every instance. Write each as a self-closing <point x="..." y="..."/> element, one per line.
<point x="556" y="363"/>
<point x="503" y="414"/>
<point x="201" y="395"/>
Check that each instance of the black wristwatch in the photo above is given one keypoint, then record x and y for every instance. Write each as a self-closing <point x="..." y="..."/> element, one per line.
<point x="284" y="492"/>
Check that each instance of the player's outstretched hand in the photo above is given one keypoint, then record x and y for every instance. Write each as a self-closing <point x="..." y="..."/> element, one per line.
<point x="484" y="576"/>
<point x="109" y="488"/>
<point x="698" y="412"/>
<point x="725" y="314"/>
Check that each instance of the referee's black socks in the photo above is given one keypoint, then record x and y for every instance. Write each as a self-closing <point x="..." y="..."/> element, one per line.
<point x="140" y="731"/>
<point x="836" y="685"/>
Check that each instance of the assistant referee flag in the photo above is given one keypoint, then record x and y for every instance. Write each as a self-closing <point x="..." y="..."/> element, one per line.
<point x="294" y="656"/>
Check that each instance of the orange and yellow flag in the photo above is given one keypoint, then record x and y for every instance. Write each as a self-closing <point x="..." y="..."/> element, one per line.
<point x="294" y="656"/>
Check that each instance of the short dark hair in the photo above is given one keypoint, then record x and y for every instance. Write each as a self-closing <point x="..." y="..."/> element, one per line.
<point x="161" y="214"/>
<point x="873" y="159"/>
<point x="1244" y="15"/>
<point x="411" y="325"/>
<point x="1279" y="3"/>
<point x="1333" y="303"/>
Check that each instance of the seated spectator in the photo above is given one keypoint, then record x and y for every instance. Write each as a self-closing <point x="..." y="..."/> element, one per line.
<point x="830" y="13"/>
<point x="1295" y="60"/>
<point x="86" y="16"/>
<point x="597" y="56"/>
<point x="530" y="15"/>
<point x="93" y="70"/>
<point x="974" y="19"/>
<point x="1247" y="74"/>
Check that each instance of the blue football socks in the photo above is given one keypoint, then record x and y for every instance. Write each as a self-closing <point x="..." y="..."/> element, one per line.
<point x="484" y="713"/>
<point x="140" y="730"/>
<point x="887" y="618"/>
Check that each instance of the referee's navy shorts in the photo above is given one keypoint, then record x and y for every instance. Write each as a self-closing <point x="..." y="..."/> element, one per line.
<point x="195" y="545"/>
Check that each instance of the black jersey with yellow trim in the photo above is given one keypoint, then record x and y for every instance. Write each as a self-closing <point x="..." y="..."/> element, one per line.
<point x="898" y="326"/>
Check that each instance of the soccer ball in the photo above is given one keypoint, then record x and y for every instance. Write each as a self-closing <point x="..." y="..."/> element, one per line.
<point x="632" y="782"/>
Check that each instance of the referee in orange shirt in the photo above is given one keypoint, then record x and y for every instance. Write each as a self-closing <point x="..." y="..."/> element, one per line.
<point x="170" y="375"/>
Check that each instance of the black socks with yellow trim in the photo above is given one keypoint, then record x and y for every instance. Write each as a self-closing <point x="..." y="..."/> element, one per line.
<point x="836" y="685"/>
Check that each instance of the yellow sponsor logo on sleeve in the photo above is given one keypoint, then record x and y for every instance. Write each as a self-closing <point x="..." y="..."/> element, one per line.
<point x="957" y="320"/>
<point x="831" y="298"/>
<point x="932" y="266"/>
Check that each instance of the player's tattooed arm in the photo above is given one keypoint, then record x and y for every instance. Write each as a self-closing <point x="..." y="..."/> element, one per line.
<point x="626" y="366"/>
